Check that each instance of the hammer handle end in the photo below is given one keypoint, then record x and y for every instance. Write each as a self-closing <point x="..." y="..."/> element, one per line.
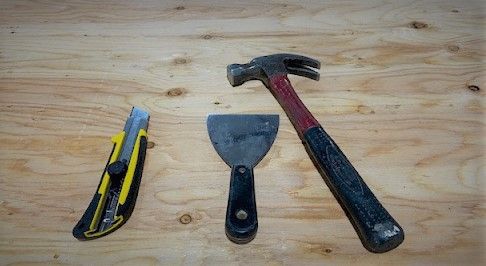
<point x="376" y="228"/>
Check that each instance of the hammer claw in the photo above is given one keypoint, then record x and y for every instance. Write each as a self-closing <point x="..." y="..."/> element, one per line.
<point x="302" y="61"/>
<point x="303" y="71"/>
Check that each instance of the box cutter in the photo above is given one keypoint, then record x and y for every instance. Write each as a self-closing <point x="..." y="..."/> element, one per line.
<point x="117" y="191"/>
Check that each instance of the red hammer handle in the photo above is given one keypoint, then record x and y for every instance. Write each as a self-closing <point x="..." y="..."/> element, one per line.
<point x="377" y="229"/>
<point x="285" y="94"/>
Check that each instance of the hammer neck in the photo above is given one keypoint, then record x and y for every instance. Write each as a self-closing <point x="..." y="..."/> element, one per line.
<point x="299" y="115"/>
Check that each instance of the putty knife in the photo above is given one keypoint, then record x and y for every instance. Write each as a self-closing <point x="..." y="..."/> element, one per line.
<point x="242" y="141"/>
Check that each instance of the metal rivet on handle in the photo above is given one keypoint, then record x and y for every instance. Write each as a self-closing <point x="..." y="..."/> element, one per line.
<point x="241" y="214"/>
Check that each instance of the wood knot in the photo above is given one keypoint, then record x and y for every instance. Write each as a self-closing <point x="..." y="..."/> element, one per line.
<point x="418" y="25"/>
<point x="217" y="103"/>
<point x="455" y="11"/>
<point x="207" y="36"/>
<point x="473" y="88"/>
<point x="185" y="219"/>
<point x="150" y="144"/>
<point x="453" y="48"/>
<point x="181" y="61"/>
<point x="180" y="8"/>
<point x="56" y="256"/>
<point x="328" y="250"/>
<point x="175" y="92"/>
<point x="363" y="109"/>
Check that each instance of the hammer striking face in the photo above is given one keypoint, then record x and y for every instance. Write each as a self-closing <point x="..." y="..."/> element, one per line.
<point x="376" y="228"/>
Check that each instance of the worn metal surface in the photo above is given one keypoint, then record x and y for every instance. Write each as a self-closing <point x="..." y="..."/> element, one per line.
<point x="137" y="120"/>
<point x="242" y="139"/>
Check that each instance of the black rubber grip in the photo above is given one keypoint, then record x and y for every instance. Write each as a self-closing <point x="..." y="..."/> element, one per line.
<point x="377" y="229"/>
<point x="241" y="212"/>
<point x="85" y="221"/>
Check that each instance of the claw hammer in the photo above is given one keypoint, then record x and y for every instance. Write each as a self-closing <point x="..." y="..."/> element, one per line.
<point x="376" y="228"/>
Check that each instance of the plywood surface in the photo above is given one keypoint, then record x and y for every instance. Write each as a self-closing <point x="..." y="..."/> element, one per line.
<point x="401" y="92"/>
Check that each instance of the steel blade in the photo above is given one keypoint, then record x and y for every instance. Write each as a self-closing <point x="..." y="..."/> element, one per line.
<point x="242" y="139"/>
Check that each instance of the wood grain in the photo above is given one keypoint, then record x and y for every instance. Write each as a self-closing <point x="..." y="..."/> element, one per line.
<point x="401" y="92"/>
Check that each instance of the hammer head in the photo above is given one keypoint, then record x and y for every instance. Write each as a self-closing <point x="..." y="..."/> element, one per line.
<point x="263" y="67"/>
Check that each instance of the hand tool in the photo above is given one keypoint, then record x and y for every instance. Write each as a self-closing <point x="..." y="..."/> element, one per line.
<point x="242" y="141"/>
<point x="117" y="191"/>
<point x="377" y="229"/>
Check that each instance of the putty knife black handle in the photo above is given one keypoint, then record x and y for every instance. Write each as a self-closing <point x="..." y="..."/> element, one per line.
<point x="241" y="214"/>
<point x="377" y="229"/>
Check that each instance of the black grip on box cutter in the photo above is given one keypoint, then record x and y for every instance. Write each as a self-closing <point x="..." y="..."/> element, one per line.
<point x="241" y="213"/>
<point x="124" y="210"/>
<point x="377" y="229"/>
